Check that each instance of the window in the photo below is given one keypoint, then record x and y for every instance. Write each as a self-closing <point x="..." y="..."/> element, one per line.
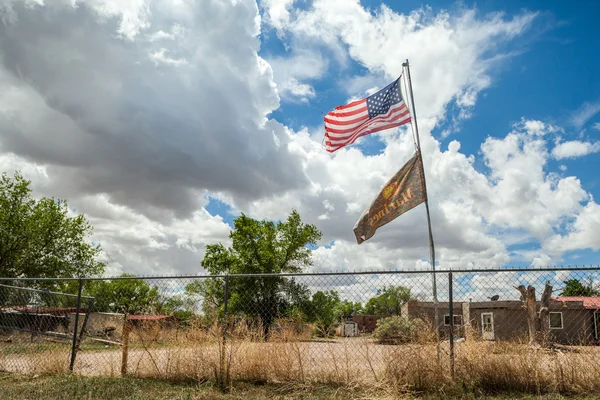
<point x="556" y="321"/>
<point x="457" y="320"/>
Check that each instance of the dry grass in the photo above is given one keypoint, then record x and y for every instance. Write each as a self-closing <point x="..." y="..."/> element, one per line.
<point x="243" y="355"/>
<point x="495" y="366"/>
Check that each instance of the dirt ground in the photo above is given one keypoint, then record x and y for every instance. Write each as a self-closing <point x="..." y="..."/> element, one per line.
<point x="351" y="355"/>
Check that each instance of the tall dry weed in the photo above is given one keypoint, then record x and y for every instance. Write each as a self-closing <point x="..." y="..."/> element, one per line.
<point x="239" y="351"/>
<point x="51" y="362"/>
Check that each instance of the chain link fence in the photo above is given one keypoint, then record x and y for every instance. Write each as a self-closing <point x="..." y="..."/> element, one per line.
<point x="536" y="330"/>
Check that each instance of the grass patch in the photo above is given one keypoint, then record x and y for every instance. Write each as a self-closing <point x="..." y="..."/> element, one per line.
<point x="19" y="387"/>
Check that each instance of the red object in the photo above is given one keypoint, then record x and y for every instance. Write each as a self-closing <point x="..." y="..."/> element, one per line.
<point x="383" y="110"/>
<point x="588" y="302"/>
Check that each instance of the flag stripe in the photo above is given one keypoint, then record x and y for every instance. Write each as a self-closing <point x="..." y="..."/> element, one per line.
<point x="400" y="119"/>
<point x="350" y="105"/>
<point x="382" y="110"/>
<point x="381" y="118"/>
<point x="331" y="148"/>
<point x="349" y="113"/>
<point x="335" y="141"/>
<point x="346" y="120"/>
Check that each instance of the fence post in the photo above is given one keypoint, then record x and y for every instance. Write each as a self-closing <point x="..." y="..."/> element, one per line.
<point x="223" y="378"/>
<point x="75" y="336"/>
<point x="226" y="297"/>
<point x="451" y="312"/>
<point x="125" y="344"/>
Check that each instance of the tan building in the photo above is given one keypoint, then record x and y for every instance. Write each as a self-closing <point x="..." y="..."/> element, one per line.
<point x="573" y="320"/>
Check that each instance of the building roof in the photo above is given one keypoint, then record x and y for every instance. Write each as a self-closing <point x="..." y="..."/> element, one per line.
<point x="45" y="310"/>
<point x="588" y="302"/>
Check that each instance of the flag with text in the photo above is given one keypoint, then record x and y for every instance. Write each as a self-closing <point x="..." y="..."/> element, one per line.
<point x="403" y="192"/>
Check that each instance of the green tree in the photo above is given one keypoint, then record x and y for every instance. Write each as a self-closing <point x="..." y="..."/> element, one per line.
<point x="324" y="312"/>
<point x="574" y="287"/>
<point x="260" y="247"/>
<point x="348" y="309"/>
<point x="130" y="296"/>
<point x="39" y="239"/>
<point x="388" y="301"/>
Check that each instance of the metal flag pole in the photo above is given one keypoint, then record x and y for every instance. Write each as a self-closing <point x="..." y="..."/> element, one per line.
<point x="431" y="244"/>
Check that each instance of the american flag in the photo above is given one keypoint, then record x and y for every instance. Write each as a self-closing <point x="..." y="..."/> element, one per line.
<point x="382" y="110"/>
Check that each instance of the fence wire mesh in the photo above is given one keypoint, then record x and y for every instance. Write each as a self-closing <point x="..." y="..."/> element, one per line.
<point x="534" y="328"/>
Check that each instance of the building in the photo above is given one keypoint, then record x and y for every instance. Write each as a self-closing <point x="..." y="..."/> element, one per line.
<point x="573" y="320"/>
<point x="365" y="323"/>
<point x="347" y="328"/>
<point x="36" y="319"/>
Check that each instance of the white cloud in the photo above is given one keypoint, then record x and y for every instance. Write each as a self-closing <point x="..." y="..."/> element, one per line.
<point x="134" y="126"/>
<point x="450" y="50"/>
<point x="582" y="232"/>
<point x="145" y="122"/>
<point x="597" y="126"/>
<point x="292" y="73"/>
<point x="538" y="128"/>
<point x="574" y="148"/>
<point x="159" y="57"/>
<point x="278" y="12"/>
<point x="131" y="129"/>
<point x="524" y="195"/>
<point x="584" y="113"/>
<point x="541" y="261"/>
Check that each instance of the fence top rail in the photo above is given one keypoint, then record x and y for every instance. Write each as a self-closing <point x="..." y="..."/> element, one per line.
<point x="300" y="274"/>
<point x="42" y="290"/>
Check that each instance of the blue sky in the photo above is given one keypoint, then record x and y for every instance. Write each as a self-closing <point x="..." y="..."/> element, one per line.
<point x="126" y="123"/>
<point x="551" y="75"/>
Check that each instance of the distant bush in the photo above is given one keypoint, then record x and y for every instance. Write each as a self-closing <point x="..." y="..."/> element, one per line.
<point x="398" y="330"/>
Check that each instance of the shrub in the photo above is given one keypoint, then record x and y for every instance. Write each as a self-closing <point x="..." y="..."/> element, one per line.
<point x="398" y="330"/>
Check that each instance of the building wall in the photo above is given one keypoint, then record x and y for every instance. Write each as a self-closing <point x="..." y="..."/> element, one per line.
<point x="509" y="324"/>
<point x="510" y="320"/>
<point x="426" y="311"/>
<point x="366" y="323"/>
<point x="578" y="327"/>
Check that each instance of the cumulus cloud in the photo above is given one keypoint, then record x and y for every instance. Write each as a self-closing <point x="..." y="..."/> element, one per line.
<point x="140" y="112"/>
<point x="581" y="234"/>
<point x="574" y="148"/>
<point x="291" y="73"/>
<point x="146" y="122"/>
<point x="448" y="49"/>
<point x="278" y="12"/>
<point x="538" y="128"/>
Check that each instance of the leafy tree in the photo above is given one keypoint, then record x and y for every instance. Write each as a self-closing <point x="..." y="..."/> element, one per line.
<point x="130" y="296"/>
<point x="348" y="309"/>
<point x="324" y="311"/>
<point x="260" y="247"/>
<point x="388" y="301"/>
<point x="574" y="287"/>
<point x="178" y="306"/>
<point x="39" y="239"/>
<point x="211" y="292"/>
